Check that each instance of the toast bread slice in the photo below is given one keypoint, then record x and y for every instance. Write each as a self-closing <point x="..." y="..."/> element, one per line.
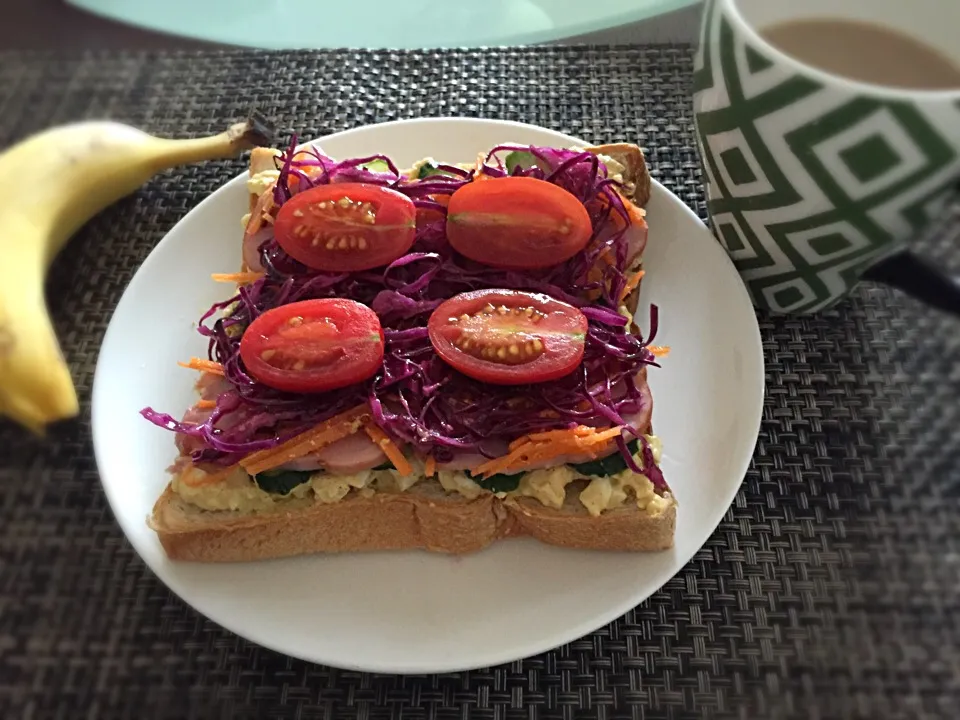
<point x="423" y="517"/>
<point x="636" y="177"/>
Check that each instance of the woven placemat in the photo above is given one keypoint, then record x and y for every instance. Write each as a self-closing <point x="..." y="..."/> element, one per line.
<point x="830" y="590"/>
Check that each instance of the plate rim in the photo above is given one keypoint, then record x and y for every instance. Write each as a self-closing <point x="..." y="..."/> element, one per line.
<point x="567" y="633"/>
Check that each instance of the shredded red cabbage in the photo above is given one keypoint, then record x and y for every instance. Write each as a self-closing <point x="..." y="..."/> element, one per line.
<point x="416" y="397"/>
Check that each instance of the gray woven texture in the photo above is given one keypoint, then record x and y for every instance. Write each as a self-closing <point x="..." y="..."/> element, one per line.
<point x="830" y="590"/>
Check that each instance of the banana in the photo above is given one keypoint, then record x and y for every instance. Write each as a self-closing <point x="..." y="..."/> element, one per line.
<point x="51" y="184"/>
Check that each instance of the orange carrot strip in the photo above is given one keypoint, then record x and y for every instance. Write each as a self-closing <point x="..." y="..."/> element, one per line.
<point x="336" y="428"/>
<point x="240" y="278"/>
<point x="545" y="445"/>
<point x="389" y="448"/>
<point x="206" y="404"/>
<point x="305" y="446"/>
<point x="537" y="454"/>
<point x="659" y="350"/>
<point x="430" y="466"/>
<point x="631" y="284"/>
<point x="563" y="434"/>
<point x="260" y="210"/>
<point x="203" y="365"/>
<point x="494" y="465"/>
<point x="602" y="437"/>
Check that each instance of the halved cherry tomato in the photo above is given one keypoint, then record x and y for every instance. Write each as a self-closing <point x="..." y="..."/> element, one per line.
<point x="313" y="345"/>
<point x="517" y="222"/>
<point x="346" y="227"/>
<point x="507" y="337"/>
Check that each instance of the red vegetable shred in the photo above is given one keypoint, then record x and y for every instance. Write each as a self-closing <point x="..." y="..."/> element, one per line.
<point x="415" y="397"/>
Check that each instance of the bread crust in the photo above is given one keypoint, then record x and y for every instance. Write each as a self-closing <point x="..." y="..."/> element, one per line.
<point x="636" y="176"/>
<point x="424" y="517"/>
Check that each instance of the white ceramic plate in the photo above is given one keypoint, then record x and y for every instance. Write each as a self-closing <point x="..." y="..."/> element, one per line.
<point x="415" y="612"/>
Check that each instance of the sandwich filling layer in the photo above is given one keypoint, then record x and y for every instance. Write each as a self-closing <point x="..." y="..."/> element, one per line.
<point x="241" y="493"/>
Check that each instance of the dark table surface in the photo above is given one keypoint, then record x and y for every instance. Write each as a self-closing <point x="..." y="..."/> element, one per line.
<point x="830" y="590"/>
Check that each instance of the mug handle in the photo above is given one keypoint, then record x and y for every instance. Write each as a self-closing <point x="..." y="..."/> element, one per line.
<point x="918" y="278"/>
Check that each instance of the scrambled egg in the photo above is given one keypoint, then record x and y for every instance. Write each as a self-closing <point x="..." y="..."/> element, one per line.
<point x="392" y="481"/>
<point x="237" y="492"/>
<point x="615" y="169"/>
<point x="548" y="485"/>
<point x="605" y="493"/>
<point x="458" y="482"/>
<point x="333" y="488"/>
<point x="262" y="181"/>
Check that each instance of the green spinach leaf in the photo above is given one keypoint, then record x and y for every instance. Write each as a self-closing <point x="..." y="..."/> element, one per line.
<point x="377" y="165"/>
<point x="610" y="465"/>
<point x="521" y="159"/>
<point x="428" y="169"/>
<point x="281" y="482"/>
<point x="500" y="482"/>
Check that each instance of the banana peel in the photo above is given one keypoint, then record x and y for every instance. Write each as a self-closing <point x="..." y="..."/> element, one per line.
<point x="52" y="183"/>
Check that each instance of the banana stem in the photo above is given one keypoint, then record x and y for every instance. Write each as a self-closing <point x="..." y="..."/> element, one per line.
<point x="234" y="140"/>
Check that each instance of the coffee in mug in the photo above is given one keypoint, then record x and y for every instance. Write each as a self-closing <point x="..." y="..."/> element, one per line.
<point x="829" y="132"/>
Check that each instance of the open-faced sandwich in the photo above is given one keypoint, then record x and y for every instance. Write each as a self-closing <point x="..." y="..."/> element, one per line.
<point x="433" y="358"/>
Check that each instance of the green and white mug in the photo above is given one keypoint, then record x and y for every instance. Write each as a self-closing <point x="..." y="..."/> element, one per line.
<point x="816" y="180"/>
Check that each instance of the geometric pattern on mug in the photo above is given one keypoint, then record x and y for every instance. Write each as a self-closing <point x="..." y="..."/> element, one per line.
<point x="864" y="173"/>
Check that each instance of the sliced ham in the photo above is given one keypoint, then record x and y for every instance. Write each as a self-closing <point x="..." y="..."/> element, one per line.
<point x="641" y="420"/>
<point x="211" y="386"/>
<point x="636" y="242"/>
<point x="251" y="245"/>
<point x="344" y="457"/>
<point x="188" y="443"/>
<point x="351" y="454"/>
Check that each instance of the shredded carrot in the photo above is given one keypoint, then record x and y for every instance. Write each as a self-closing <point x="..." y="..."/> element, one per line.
<point x="659" y="350"/>
<point x="389" y="448"/>
<point x="599" y="438"/>
<point x="631" y="284"/>
<point x="240" y="278"/>
<point x="206" y="404"/>
<point x="537" y="447"/>
<point x="494" y="466"/>
<point x="203" y="365"/>
<point x="336" y="428"/>
<point x="549" y="435"/>
<point x="430" y="466"/>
